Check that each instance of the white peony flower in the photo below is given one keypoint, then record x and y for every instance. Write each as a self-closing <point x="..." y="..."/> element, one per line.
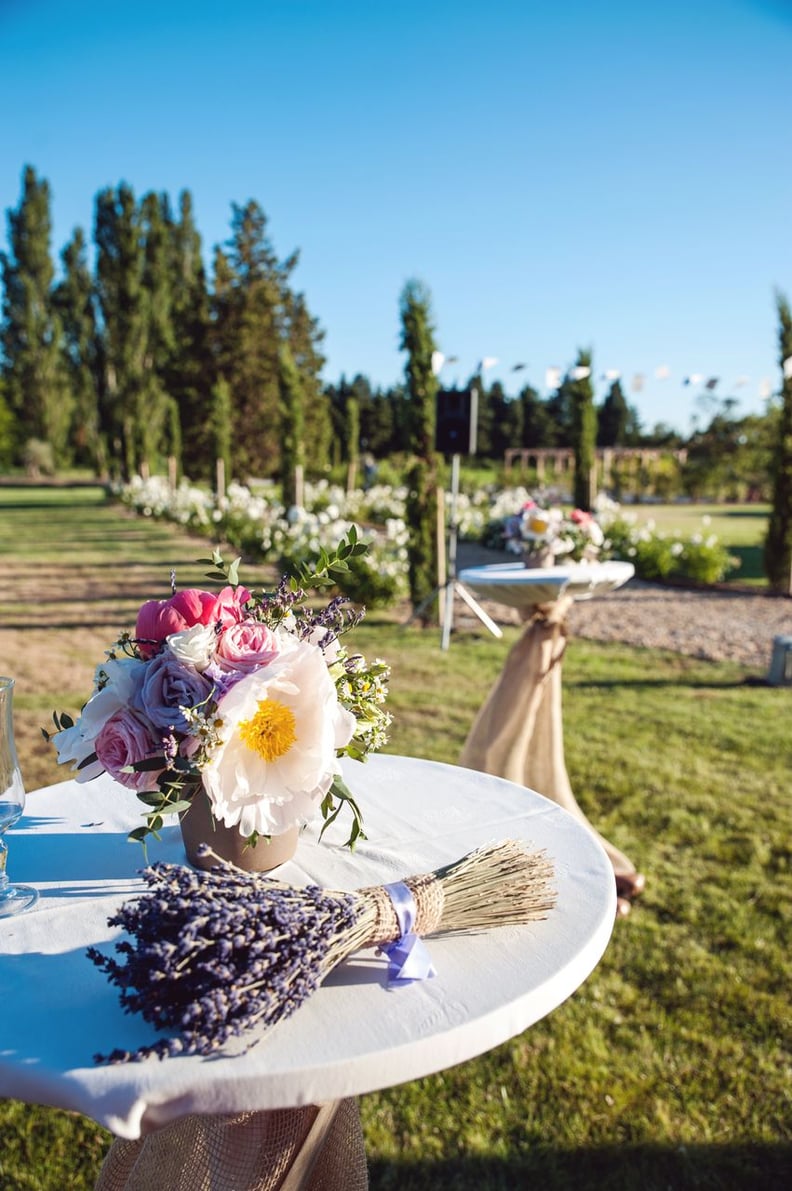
<point x="195" y="645"/>
<point x="276" y="758"/>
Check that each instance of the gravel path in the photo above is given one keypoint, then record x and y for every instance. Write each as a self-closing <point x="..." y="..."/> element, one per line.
<point x="712" y="625"/>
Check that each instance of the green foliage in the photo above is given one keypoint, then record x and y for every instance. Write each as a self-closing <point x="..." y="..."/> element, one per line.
<point x="74" y="301"/>
<point x="659" y="555"/>
<point x="35" y="378"/>
<point x="778" y="545"/>
<point x="417" y="340"/>
<point x="220" y="424"/>
<point x="292" y="424"/>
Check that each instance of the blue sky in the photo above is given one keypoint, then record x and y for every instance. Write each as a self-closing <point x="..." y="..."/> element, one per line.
<point x="615" y="176"/>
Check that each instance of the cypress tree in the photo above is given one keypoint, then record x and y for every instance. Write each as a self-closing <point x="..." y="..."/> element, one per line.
<point x="778" y="542"/>
<point x="155" y="431"/>
<point x="30" y="334"/>
<point x="220" y="425"/>
<point x="417" y="339"/>
<point x="613" y="418"/>
<point x="123" y="326"/>
<point x="292" y="425"/>
<point x="246" y="299"/>
<point x="190" y="372"/>
<point x="75" y="304"/>
<point x="584" y="432"/>
<point x="304" y="337"/>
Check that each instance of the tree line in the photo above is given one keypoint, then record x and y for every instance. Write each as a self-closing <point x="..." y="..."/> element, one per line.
<point x="143" y="354"/>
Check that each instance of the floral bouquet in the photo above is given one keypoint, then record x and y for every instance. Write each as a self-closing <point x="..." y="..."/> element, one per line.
<point x="545" y="535"/>
<point x="250" y="697"/>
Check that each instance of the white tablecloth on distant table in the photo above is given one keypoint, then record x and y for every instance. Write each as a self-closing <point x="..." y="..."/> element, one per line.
<point x="356" y="1034"/>
<point x="522" y="587"/>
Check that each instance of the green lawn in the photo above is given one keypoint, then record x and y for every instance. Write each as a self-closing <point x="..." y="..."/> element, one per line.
<point x="670" y="1066"/>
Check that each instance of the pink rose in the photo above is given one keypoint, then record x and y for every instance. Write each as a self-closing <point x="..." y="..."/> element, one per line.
<point x="246" y="646"/>
<point x="580" y="517"/>
<point x="157" y="619"/>
<point x="127" y="737"/>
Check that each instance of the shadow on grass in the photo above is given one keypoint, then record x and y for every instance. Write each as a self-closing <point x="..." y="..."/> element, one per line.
<point x="751" y="564"/>
<point x="611" y="1168"/>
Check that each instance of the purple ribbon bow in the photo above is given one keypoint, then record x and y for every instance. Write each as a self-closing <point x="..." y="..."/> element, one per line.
<point x="408" y="956"/>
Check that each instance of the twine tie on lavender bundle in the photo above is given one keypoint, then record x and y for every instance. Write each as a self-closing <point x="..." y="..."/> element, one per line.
<point x="408" y="955"/>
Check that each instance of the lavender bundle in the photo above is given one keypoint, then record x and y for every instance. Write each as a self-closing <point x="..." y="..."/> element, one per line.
<point x="215" y="954"/>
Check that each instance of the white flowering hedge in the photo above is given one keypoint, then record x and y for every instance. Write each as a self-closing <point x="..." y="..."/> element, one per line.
<point x="255" y="520"/>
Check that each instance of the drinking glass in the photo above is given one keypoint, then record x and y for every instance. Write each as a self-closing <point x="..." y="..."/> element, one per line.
<point x="13" y="898"/>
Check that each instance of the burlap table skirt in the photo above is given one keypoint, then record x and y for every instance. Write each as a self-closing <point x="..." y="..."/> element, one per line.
<point x="518" y="734"/>
<point x="301" y="1149"/>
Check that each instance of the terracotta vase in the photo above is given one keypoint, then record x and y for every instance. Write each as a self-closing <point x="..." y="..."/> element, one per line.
<point x="199" y="827"/>
<point x="540" y="556"/>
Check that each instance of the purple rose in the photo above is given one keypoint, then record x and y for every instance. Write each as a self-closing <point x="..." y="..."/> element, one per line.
<point x="169" y="684"/>
<point x="127" y="737"/>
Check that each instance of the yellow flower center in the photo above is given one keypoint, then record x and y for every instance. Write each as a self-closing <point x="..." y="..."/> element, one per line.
<point x="271" y="731"/>
<point x="539" y="525"/>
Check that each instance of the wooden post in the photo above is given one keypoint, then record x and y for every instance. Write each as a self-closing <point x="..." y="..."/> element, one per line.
<point x="299" y="485"/>
<point x="351" y="475"/>
<point x="441" y="554"/>
<point x="172" y="472"/>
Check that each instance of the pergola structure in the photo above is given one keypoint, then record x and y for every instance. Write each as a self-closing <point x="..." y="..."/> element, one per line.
<point x="561" y="460"/>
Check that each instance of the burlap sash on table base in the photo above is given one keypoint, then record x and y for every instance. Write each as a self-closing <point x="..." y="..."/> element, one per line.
<point x="518" y="734"/>
<point x="300" y="1149"/>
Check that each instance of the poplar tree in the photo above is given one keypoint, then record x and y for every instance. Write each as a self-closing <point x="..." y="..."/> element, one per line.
<point x="75" y="303"/>
<point x="417" y="339"/>
<point x="778" y="542"/>
<point x="584" y="432"/>
<point x="30" y="334"/>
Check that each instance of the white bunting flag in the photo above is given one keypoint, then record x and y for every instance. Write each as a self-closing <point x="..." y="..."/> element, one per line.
<point x="637" y="382"/>
<point x="580" y="372"/>
<point x="663" y="372"/>
<point x="488" y="362"/>
<point x="787" y="366"/>
<point x="612" y="374"/>
<point x="552" y="378"/>
<point x="766" y="388"/>
<point x="438" y="360"/>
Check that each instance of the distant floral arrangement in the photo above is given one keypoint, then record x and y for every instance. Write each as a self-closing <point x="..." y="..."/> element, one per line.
<point x="251" y="696"/>
<point x="550" y="532"/>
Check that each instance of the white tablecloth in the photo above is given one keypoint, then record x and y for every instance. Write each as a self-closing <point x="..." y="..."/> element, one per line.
<point x="356" y="1034"/>
<point x="520" y="586"/>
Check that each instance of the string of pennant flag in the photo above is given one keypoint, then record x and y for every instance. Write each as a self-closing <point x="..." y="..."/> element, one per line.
<point x="554" y="375"/>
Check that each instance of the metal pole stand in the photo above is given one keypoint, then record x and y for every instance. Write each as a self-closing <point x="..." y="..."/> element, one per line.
<point x="452" y="585"/>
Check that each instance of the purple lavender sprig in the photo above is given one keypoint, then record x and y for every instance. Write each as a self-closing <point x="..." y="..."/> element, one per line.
<point x="211" y="955"/>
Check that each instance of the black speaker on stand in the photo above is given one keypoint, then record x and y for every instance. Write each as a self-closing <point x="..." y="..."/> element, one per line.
<point x="457" y="421"/>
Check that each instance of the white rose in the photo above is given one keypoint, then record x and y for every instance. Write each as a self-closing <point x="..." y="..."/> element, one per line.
<point x="195" y="645"/>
